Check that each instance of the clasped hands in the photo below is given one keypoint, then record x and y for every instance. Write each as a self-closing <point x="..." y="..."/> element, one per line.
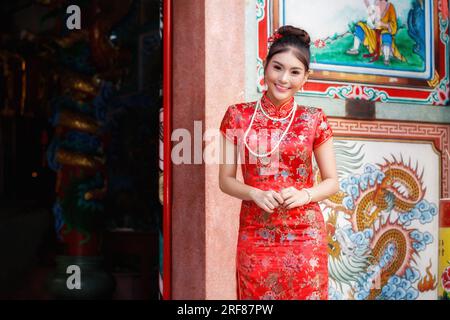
<point x="287" y="198"/>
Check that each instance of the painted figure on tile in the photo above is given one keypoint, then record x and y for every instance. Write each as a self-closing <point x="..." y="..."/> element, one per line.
<point x="282" y="243"/>
<point x="378" y="34"/>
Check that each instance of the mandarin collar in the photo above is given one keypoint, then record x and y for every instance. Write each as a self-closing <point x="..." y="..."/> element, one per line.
<point x="276" y="111"/>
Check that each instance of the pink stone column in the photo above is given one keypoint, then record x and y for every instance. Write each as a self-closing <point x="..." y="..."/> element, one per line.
<point x="188" y="180"/>
<point x="225" y="84"/>
<point x="208" y="76"/>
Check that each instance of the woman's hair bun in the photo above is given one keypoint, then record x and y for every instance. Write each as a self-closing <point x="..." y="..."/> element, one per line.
<point x="301" y="34"/>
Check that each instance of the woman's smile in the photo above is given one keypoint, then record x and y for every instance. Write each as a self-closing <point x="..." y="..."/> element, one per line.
<point x="281" y="88"/>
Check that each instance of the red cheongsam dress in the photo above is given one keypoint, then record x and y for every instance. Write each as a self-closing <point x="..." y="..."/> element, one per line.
<point x="280" y="255"/>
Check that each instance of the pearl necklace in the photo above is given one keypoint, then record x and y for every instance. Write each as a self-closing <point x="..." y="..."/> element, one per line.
<point x="258" y="105"/>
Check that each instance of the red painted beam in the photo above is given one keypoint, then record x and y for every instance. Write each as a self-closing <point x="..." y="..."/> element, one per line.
<point x="167" y="105"/>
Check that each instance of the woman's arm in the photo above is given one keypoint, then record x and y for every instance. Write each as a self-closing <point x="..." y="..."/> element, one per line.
<point x="227" y="172"/>
<point x="228" y="183"/>
<point x="326" y="161"/>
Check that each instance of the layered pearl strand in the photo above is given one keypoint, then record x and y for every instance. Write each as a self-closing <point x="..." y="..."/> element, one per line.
<point x="258" y="106"/>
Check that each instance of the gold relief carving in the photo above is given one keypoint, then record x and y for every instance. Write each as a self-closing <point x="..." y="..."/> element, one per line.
<point x="78" y="122"/>
<point x="79" y="160"/>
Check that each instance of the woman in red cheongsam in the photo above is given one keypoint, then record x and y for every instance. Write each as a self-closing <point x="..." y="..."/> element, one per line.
<point x="282" y="248"/>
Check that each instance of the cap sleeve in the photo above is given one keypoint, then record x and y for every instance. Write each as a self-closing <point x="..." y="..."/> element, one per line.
<point x="323" y="130"/>
<point x="228" y="126"/>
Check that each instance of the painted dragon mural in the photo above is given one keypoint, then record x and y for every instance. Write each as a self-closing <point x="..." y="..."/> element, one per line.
<point x="372" y="244"/>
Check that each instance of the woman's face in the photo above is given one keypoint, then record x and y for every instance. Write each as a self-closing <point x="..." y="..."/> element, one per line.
<point x="284" y="76"/>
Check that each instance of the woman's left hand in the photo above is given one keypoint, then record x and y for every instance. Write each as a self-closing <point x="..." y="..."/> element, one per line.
<point x="293" y="197"/>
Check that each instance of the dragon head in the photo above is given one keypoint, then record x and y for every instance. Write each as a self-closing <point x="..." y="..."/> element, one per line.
<point x="334" y="248"/>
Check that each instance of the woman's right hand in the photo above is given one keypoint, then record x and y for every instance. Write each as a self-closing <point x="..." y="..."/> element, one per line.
<point x="266" y="200"/>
